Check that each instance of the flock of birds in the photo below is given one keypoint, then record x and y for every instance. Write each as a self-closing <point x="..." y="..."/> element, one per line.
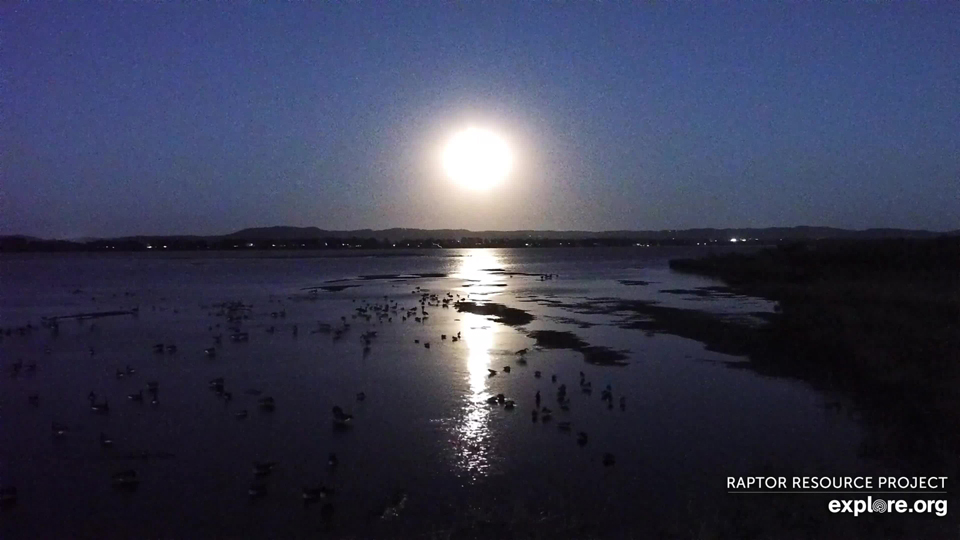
<point x="542" y="413"/>
<point x="235" y="314"/>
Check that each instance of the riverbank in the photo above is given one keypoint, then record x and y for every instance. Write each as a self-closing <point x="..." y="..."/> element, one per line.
<point x="876" y="320"/>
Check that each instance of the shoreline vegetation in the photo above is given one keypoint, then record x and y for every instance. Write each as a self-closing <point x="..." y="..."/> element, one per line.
<point x="877" y="321"/>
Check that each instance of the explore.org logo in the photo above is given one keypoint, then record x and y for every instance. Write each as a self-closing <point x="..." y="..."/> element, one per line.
<point x="918" y="487"/>
<point x="880" y="506"/>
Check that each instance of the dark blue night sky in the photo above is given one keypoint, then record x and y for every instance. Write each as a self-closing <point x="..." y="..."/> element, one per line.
<point x="134" y="118"/>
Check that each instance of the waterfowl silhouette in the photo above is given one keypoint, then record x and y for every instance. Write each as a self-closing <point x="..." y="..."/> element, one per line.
<point x="608" y="460"/>
<point x="58" y="429"/>
<point x="101" y="408"/>
<point x="8" y="496"/>
<point x="536" y="374"/>
<point x="361" y="396"/>
<point x="126" y="479"/>
<point x="509" y="405"/>
<point x="263" y="468"/>
<point x="211" y="352"/>
<point x="506" y="369"/>
<point x="267" y="404"/>
<point x="257" y="490"/>
<point x="492" y="372"/>
<point x="105" y="440"/>
<point x="340" y="418"/>
<point x="315" y="494"/>
<point x="332" y="460"/>
<point x="138" y="397"/>
<point x="582" y="438"/>
<point x="241" y="414"/>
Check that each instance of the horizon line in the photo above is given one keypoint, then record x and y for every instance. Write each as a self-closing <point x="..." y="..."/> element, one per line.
<point x="588" y="231"/>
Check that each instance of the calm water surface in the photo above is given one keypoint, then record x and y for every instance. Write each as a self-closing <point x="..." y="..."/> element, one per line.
<point x="424" y="429"/>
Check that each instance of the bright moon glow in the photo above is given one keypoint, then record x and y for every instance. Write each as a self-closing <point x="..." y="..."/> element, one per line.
<point x="477" y="159"/>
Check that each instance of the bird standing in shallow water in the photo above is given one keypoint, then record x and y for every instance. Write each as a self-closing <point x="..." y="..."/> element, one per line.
<point x="128" y="478"/>
<point x="341" y="418"/>
<point x="263" y="468"/>
<point x="315" y="494"/>
<point x="8" y="496"/>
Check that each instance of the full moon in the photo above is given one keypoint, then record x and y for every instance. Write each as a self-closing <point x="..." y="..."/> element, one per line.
<point x="477" y="159"/>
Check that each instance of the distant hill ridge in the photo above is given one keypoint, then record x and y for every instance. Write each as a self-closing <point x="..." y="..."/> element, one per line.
<point x="286" y="233"/>
<point x="397" y="234"/>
